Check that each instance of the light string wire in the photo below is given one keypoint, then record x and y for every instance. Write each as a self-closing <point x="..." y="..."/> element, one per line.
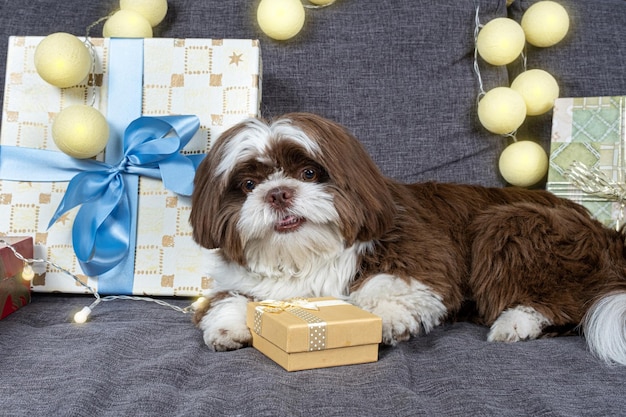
<point x="477" y="27"/>
<point x="82" y="315"/>
<point x="92" y="52"/>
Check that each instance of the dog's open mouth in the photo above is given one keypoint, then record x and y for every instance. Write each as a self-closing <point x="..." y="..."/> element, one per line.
<point x="288" y="224"/>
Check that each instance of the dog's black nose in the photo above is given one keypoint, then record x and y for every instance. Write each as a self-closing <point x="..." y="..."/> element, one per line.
<point x="280" y="197"/>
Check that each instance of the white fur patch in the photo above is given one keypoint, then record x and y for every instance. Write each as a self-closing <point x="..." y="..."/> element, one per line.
<point x="406" y="308"/>
<point x="283" y="128"/>
<point x="604" y="327"/>
<point x="312" y="275"/>
<point x="247" y="144"/>
<point x="252" y="143"/>
<point x="224" y="325"/>
<point x="518" y="323"/>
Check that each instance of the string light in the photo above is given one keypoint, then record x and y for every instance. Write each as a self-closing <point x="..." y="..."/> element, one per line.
<point x="27" y="272"/>
<point x="503" y="110"/>
<point x="284" y="19"/>
<point x="199" y="303"/>
<point x="83" y="315"/>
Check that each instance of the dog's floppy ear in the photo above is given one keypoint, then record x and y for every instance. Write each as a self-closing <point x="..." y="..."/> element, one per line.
<point x="214" y="213"/>
<point x="361" y="191"/>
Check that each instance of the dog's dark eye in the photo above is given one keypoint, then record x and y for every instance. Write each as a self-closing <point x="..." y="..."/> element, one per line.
<point x="309" y="174"/>
<point x="248" y="185"/>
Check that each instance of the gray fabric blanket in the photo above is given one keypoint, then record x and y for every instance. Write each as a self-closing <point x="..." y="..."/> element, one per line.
<point x="399" y="74"/>
<point x="142" y="360"/>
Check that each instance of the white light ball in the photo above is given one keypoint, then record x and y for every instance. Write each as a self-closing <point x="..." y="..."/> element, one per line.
<point x="545" y="23"/>
<point x="82" y="316"/>
<point x="322" y="2"/>
<point x="523" y="163"/>
<point x="539" y="90"/>
<point x="28" y="273"/>
<point x="153" y="11"/>
<point x="199" y="303"/>
<point x="500" y="41"/>
<point x="280" y="19"/>
<point x="502" y="110"/>
<point x="62" y="60"/>
<point x="80" y="131"/>
<point x="127" y="24"/>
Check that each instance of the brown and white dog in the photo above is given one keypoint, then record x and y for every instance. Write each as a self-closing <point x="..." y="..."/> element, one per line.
<point x="297" y="208"/>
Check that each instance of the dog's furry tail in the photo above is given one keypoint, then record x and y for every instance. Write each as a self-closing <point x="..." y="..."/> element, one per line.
<point x="604" y="327"/>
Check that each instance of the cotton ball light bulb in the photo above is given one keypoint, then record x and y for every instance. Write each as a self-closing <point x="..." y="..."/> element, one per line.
<point x="545" y="23"/>
<point x="539" y="90"/>
<point x="500" y="41"/>
<point x="523" y="163"/>
<point x="322" y="2"/>
<point x="153" y="11"/>
<point x="280" y="19"/>
<point x="502" y="110"/>
<point x="80" y="131"/>
<point x="127" y="24"/>
<point x="62" y="60"/>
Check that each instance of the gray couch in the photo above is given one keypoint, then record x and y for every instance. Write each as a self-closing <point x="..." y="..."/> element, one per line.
<point x="399" y="74"/>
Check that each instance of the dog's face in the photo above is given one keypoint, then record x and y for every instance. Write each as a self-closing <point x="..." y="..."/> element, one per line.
<point x="302" y="183"/>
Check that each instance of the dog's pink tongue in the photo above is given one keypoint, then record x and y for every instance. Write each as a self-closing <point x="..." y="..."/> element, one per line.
<point x="288" y="224"/>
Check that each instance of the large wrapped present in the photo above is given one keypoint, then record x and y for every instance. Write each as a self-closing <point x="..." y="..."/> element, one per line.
<point x="315" y="333"/>
<point x="134" y="236"/>
<point x="14" y="290"/>
<point x="587" y="155"/>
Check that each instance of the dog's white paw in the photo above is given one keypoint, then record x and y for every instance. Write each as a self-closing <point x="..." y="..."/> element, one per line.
<point x="399" y="323"/>
<point x="224" y="325"/>
<point x="406" y="308"/>
<point x="518" y="323"/>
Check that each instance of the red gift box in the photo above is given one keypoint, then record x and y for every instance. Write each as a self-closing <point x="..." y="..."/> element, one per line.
<point x="14" y="290"/>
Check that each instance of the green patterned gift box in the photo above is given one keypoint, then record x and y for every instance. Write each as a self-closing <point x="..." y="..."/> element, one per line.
<point x="590" y="131"/>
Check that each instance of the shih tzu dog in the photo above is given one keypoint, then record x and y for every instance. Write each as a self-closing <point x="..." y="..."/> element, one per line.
<point x="298" y="208"/>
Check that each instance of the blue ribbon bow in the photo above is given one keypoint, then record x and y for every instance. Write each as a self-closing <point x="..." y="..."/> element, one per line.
<point x="102" y="227"/>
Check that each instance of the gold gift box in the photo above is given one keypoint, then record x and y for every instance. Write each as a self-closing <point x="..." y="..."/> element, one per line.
<point x="314" y="333"/>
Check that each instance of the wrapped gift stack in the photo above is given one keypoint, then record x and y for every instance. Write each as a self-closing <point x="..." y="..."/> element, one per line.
<point x="14" y="289"/>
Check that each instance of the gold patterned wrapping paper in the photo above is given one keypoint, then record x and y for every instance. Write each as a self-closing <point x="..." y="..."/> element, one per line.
<point x="217" y="80"/>
<point x="315" y="333"/>
<point x="589" y="130"/>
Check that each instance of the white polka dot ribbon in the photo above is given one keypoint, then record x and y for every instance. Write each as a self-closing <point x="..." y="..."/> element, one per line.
<point x="301" y="308"/>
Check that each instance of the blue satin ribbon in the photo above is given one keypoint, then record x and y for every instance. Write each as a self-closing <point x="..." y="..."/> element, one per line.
<point x="102" y="228"/>
<point x="124" y="104"/>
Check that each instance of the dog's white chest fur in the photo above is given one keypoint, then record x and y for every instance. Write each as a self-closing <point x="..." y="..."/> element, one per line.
<point x="276" y="274"/>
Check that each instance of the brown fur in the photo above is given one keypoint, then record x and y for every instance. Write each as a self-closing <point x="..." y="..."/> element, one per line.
<point x="499" y="248"/>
